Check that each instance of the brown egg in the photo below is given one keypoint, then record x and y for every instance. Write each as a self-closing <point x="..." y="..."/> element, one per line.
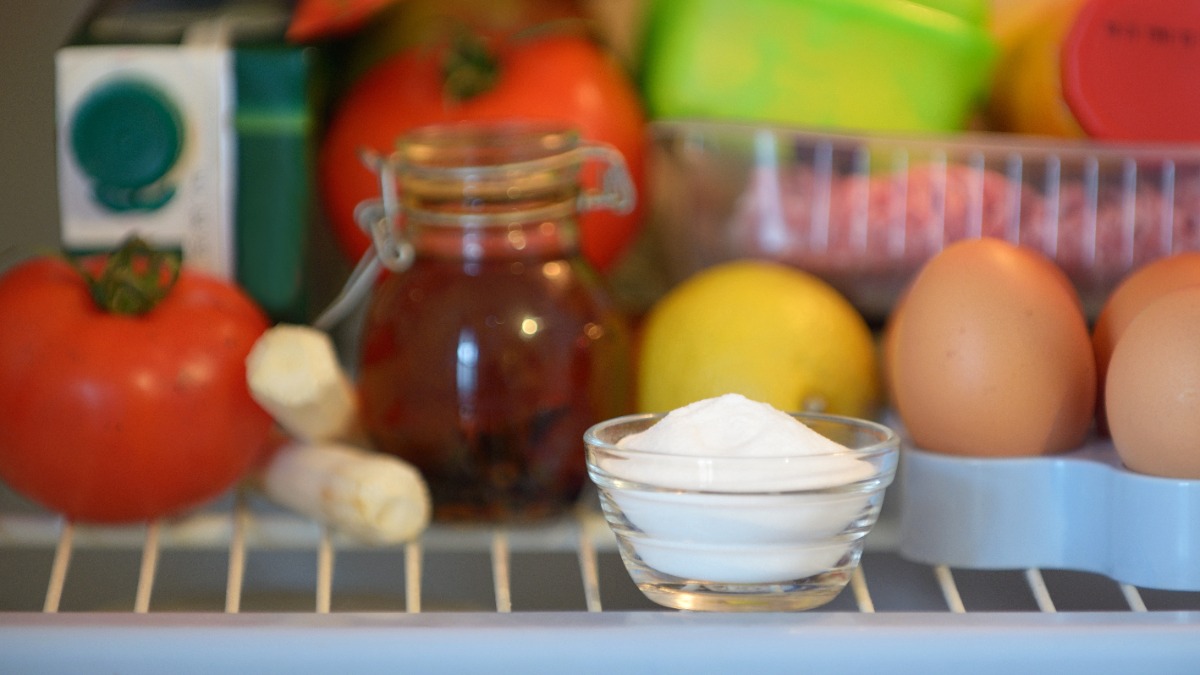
<point x="992" y="355"/>
<point x="1153" y="388"/>
<point x="887" y="348"/>
<point x="1145" y="285"/>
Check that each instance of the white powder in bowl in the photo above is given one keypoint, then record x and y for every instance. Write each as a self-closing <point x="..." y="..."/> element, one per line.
<point x="731" y="432"/>
<point x="732" y="490"/>
<point x="730" y="425"/>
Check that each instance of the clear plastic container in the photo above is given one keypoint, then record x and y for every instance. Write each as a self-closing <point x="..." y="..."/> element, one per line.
<point x="866" y="211"/>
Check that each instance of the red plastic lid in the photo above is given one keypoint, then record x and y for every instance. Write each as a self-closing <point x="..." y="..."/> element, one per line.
<point x="1131" y="69"/>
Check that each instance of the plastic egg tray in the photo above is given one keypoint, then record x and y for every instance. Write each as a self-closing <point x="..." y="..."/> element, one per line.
<point x="1082" y="510"/>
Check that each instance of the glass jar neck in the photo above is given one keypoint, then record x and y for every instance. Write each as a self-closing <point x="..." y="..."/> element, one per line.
<point x="485" y="175"/>
<point x="486" y="191"/>
<point x="478" y="190"/>
<point x="483" y="172"/>
<point x="518" y="237"/>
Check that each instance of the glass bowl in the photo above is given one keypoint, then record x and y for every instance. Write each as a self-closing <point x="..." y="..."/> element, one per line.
<point x="760" y="533"/>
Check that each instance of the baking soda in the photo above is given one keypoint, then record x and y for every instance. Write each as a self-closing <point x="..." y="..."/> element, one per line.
<point x="734" y="491"/>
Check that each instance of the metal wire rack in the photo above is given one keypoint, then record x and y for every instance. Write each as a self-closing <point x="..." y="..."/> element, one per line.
<point x="244" y="585"/>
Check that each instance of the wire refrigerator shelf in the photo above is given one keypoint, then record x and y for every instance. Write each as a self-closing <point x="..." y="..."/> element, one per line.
<point x="243" y="586"/>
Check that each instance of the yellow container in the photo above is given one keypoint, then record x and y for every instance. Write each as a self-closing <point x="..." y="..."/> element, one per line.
<point x="890" y="65"/>
<point x="1027" y="94"/>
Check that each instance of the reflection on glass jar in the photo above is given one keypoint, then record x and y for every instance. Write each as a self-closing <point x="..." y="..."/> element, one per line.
<point x="492" y="345"/>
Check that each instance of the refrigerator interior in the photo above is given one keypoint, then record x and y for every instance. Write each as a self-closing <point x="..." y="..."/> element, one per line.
<point x="243" y="586"/>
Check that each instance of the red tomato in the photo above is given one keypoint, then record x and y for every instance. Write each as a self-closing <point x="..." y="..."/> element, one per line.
<point x="315" y="19"/>
<point x="561" y="77"/>
<point x="120" y="418"/>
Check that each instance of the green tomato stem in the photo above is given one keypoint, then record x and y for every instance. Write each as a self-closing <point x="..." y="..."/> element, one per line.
<point x="471" y="67"/>
<point x="135" y="278"/>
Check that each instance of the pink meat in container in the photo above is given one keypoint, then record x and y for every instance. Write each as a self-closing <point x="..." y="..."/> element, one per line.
<point x="866" y="211"/>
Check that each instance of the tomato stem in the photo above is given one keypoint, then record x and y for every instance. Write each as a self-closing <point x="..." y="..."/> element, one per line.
<point x="471" y="66"/>
<point x="134" y="279"/>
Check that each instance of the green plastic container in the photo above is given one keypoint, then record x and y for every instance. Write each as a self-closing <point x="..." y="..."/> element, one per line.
<point x="887" y="65"/>
<point x="275" y="140"/>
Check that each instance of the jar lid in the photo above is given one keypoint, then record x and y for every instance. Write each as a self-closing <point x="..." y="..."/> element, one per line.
<point x="1129" y="69"/>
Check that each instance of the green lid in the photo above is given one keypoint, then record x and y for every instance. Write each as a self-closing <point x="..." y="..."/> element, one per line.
<point x="126" y="134"/>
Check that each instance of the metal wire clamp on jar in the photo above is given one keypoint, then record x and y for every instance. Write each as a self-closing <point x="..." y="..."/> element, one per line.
<point x="492" y="346"/>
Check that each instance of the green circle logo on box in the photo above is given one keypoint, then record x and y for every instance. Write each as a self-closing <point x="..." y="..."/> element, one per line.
<point x="126" y="136"/>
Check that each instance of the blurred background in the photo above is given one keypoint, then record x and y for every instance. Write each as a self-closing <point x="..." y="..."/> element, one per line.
<point x="994" y="67"/>
<point x="30" y="31"/>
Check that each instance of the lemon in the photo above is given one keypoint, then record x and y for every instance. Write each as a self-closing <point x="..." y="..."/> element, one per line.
<point x="770" y="332"/>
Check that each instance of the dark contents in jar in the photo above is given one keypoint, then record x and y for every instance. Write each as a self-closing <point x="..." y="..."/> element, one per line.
<point x="486" y="373"/>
